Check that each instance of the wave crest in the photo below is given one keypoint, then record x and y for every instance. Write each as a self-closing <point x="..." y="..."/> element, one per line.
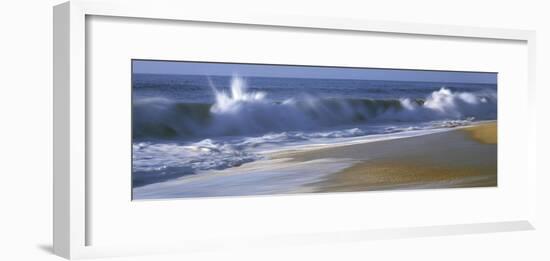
<point x="242" y="112"/>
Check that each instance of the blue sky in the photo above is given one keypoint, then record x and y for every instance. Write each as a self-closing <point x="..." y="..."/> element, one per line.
<point x="259" y="70"/>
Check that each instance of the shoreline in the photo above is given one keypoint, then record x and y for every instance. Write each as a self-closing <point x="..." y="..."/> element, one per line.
<point x="463" y="156"/>
<point x="460" y="157"/>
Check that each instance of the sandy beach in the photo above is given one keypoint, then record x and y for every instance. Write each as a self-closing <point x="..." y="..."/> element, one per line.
<point x="462" y="157"/>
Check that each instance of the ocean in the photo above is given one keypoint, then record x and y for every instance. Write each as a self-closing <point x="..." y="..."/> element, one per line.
<point x="185" y="125"/>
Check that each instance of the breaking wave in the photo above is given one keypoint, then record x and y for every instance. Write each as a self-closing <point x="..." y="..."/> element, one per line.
<point x="241" y="112"/>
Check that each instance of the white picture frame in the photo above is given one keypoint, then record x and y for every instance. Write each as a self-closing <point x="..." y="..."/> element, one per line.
<point x="70" y="116"/>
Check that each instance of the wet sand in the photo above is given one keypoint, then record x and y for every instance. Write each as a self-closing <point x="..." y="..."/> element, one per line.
<point x="463" y="157"/>
<point x="460" y="157"/>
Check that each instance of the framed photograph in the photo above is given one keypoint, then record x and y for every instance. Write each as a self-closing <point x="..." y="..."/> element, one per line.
<point x="208" y="132"/>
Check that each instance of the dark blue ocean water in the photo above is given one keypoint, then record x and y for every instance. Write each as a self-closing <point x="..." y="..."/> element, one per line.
<point x="196" y="88"/>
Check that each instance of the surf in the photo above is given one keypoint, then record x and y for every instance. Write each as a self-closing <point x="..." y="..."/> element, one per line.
<point x="238" y="111"/>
